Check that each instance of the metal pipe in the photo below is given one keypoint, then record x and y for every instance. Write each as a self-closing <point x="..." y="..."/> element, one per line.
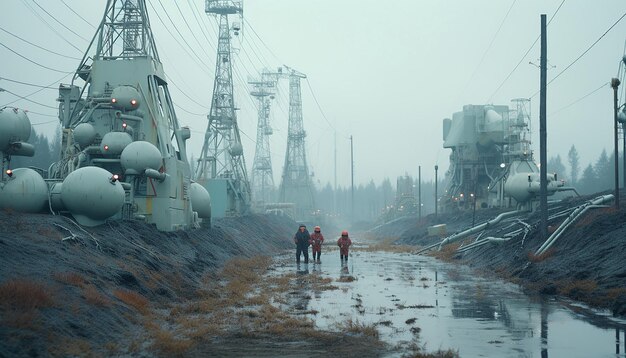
<point x="477" y="228"/>
<point x="577" y="213"/>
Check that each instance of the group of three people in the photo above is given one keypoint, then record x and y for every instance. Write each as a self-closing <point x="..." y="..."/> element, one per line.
<point x="303" y="240"/>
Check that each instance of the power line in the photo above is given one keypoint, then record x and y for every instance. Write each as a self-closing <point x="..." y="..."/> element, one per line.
<point x="35" y="62"/>
<point x="584" y="52"/>
<point x="200" y="64"/>
<point x="169" y="79"/>
<point x="263" y="42"/>
<point x="26" y="99"/>
<point x="77" y="14"/>
<point x="37" y="46"/>
<point x="28" y="84"/>
<point x="580" y="99"/>
<point x="59" y="22"/>
<point x="49" y="26"/>
<point x="318" y="104"/>
<point x="189" y="27"/>
<point x="523" y="56"/>
<point x="493" y="39"/>
<point x="41" y="89"/>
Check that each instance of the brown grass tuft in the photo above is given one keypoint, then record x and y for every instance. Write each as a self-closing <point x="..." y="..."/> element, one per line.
<point x="538" y="258"/>
<point x="133" y="299"/>
<point x="357" y="327"/>
<point x="95" y="298"/>
<point x="578" y="288"/>
<point x="169" y="345"/>
<point x="447" y="252"/>
<point x="24" y="295"/>
<point x="70" y="278"/>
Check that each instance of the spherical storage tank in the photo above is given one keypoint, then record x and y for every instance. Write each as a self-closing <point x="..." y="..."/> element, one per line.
<point x="25" y="191"/>
<point x="200" y="200"/>
<point x="139" y="156"/>
<point x="14" y="127"/>
<point x="91" y="196"/>
<point x="113" y="143"/>
<point x="84" y="134"/>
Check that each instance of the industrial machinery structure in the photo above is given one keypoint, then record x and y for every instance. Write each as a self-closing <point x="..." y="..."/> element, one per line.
<point x="296" y="185"/>
<point x="123" y="151"/>
<point x="221" y="167"/>
<point x="491" y="164"/>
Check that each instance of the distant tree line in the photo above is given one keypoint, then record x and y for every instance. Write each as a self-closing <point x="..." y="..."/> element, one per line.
<point x="596" y="177"/>
<point x="46" y="151"/>
<point x="371" y="202"/>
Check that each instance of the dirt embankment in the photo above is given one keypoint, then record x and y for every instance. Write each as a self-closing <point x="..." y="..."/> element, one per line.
<point x="67" y="291"/>
<point x="585" y="264"/>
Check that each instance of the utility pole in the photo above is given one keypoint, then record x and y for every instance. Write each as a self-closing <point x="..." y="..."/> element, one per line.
<point x="352" y="177"/>
<point x="436" y="195"/>
<point x="419" y="191"/>
<point x="543" y="174"/>
<point x="335" y="186"/>
<point x="615" y="84"/>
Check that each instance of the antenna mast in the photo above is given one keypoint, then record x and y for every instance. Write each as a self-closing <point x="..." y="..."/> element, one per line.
<point x="221" y="166"/>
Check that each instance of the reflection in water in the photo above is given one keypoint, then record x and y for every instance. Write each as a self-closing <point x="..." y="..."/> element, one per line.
<point x="544" y="330"/>
<point x="450" y="307"/>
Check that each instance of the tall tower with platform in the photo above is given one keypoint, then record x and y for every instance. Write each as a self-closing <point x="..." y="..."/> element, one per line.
<point x="221" y="168"/>
<point x="296" y="185"/>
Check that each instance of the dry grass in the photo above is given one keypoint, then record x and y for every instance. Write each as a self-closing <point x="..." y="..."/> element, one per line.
<point x="356" y="327"/>
<point x="387" y="245"/>
<point x="133" y="299"/>
<point x="538" y="258"/>
<point x="447" y="253"/>
<point x="51" y="233"/>
<point x="578" y="287"/>
<point x="71" y="347"/>
<point x="24" y="295"/>
<point x="70" y="278"/>
<point x="94" y="297"/>
<point x="169" y="345"/>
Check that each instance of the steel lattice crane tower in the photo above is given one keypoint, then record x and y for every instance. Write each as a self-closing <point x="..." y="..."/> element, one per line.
<point x="296" y="186"/>
<point x="262" y="174"/>
<point x="221" y="167"/>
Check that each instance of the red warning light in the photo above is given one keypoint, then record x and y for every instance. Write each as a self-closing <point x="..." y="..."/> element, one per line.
<point x="106" y="147"/>
<point x="113" y="100"/>
<point x="124" y="125"/>
<point x="9" y="172"/>
<point x="133" y="102"/>
<point x="114" y="178"/>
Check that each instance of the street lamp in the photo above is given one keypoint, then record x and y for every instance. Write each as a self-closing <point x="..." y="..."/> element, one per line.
<point x="436" y="195"/>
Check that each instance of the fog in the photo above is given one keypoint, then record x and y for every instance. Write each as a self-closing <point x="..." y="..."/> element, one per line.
<point x="386" y="73"/>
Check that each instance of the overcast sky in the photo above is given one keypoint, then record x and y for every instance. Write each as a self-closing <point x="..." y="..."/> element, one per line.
<point x="385" y="72"/>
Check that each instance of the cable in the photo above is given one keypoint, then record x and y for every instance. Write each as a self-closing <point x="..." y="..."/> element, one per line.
<point x="59" y="22"/>
<point x="41" y="89"/>
<point x="523" y="56"/>
<point x="493" y="39"/>
<point x="29" y="60"/>
<point x="318" y="104"/>
<point x="263" y="42"/>
<point x="27" y="84"/>
<point x="177" y="31"/>
<point x="583" y="54"/>
<point x="77" y="14"/>
<point x="49" y="26"/>
<point x="39" y="47"/>
<point x="580" y="99"/>
<point x="185" y="94"/>
<point x="189" y="27"/>
<point x="24" y="98"/>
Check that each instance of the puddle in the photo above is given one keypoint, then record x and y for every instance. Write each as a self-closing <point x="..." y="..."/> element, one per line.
<point x="443" y="306"/>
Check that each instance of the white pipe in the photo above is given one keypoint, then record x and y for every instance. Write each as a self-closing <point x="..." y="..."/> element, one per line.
<point x="580" y="210"/>
<point x="476" y="228"/>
